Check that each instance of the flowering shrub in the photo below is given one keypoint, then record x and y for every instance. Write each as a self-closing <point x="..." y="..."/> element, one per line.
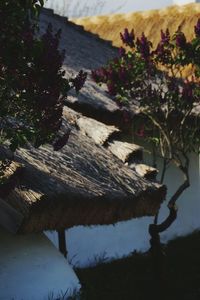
<point x="153" y="78"/>
<point x="32" y="82"/>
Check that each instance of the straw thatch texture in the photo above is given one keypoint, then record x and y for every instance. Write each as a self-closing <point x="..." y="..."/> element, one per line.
<point x="149" y="22"/>
<point x="145" y="171"/>
<point x="10" y="176"/>
<point x="83" y="184"/>
<point x="87" y="52"/>
<point x="98" y="131"/>
<point x="126" y="151"/>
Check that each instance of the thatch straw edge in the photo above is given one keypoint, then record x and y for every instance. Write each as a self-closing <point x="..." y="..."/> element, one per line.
<point x="98" y="211"/>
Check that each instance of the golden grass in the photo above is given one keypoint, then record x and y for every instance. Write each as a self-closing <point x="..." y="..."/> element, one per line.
<point x="150" y="22"/>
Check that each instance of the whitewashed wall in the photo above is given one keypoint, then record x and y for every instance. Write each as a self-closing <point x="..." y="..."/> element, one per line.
<point x="182" y="2"/>
<point x="88" y="245"/>
<point x="188" y="204"/>
<point x="31" y="268"/>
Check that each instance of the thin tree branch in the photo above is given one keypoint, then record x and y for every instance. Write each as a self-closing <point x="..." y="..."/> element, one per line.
<point x="161" y="130"/>
<point x="165" y="163"/>
<point x="155" y="228"/>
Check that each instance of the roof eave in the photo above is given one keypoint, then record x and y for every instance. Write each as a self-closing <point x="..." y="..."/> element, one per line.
<point x="99" y="211"/>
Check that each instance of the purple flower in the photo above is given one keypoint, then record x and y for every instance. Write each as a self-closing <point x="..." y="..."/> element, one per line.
<point x="95" y="75"/>
<point x="122" y="74"/>
<point x="197" y="29"/>
<point x="180" y="40"/>
<point x="143" y="46"/>
<point x="128" y="37"/>
<point x="111" y="88"/>
<point x="99" y="75"/>
<point x="162" y="52"/>
<point x="112" y="75"/>
<point x="122" y="52"/>
<point x="165" y="37"/>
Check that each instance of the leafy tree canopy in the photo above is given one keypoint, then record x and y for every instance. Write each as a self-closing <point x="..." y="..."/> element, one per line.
<point x="152" y="78"/>
<point x="32" y="82"/>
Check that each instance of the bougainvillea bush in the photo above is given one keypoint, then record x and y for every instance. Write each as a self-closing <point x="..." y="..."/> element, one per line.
<point x="32" y="82"/>
<point x="154" y="78"/>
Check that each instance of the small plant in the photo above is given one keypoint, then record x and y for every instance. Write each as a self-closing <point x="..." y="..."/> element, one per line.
<point x="154" y="80"/>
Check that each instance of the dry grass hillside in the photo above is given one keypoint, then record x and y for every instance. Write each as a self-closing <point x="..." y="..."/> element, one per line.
<point x="149" y="22"/>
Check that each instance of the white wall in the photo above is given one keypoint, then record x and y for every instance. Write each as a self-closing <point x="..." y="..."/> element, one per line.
<point x="188" y="204"/>
<point x="87" y="245"/>
<point x="182" y="2"/>
<point x="31" y="268"/>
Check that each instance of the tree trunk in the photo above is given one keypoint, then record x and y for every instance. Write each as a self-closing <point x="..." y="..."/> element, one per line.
<point x="156" y="249"/>
<point x="62" y="242"/>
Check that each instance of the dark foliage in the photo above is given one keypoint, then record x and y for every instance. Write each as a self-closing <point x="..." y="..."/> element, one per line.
<point x="133" y="277"/>
<point x="32" y="82"/>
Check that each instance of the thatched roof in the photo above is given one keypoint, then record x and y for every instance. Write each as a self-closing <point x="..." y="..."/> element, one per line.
<point x="150" y="22"/>
<point x="96" y="178"/>
<point x="93" y="101"/>
<point x="82" y="184"/>
<point x="85" y="51"/>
